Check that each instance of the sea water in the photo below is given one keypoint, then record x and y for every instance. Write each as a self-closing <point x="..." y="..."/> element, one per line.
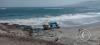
<point x="66" y="17"/>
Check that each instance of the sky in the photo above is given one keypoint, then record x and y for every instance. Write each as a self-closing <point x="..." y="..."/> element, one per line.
<point x="37" y="3"/>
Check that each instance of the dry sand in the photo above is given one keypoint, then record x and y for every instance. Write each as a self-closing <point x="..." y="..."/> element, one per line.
<point x="72" y="37"/>
<point x="9" y="39"/>
<point x="69" y="38"/>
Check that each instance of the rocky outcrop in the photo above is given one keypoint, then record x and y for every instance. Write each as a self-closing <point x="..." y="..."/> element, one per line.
<point x="13" y="32"/>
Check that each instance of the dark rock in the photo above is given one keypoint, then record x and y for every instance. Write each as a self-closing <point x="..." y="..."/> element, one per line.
<point x="24" y="27"/>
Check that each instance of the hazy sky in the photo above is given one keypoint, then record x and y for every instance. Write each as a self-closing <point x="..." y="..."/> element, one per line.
<point x="36" y="3"/>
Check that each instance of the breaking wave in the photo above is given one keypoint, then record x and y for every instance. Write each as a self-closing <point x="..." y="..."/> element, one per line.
<point x="3" y="8"/>
<point x="65" y="20"/>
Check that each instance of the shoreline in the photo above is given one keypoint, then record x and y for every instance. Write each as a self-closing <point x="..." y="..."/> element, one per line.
<point x="21" y="39"/>
<point x="69" y="33"/>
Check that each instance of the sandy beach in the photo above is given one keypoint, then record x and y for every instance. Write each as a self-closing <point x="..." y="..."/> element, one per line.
<point x="71" y="34"/>
<point x="69" y="37"/>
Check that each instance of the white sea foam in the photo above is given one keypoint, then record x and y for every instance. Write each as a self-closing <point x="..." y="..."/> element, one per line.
<point x="53" y="8"/>
<point x="76" y="16"/>
<point x="3" y="8"/>
<point x="64" y="20"/>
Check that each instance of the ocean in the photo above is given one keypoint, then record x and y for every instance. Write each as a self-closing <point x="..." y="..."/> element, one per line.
<point x="66" y="17"/>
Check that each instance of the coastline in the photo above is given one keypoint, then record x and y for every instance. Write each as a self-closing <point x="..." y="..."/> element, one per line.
<point x="94" y="29"/>
<point x="69" y="33"/>
<point x="7" y="38"/>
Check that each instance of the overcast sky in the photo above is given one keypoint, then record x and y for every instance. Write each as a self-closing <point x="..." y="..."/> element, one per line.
<point x="36" y="3"/>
